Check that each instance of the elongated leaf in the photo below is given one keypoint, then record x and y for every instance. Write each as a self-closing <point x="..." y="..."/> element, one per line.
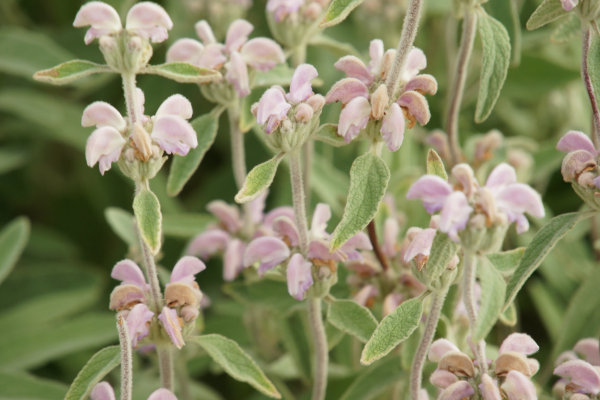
<point x="70" y="71"/>
<point x="183" y="72"/>
<point x="183" y="168"/>
<point x="547" y="12"/>
<point x="229" y="355"/>
<point x="541" y="244"/>
<point x="22" y="386"/>
<point x="393" y="329"/>
<point x="334" y="335"/>
<point x="97" y="368"/>
<point x="350" y="317"/>
<point x="258" y="180"/>
<point x="443" y="250"/>
<point x="369" y="177"/>
<point x="338" y="11"/>
<point x="13" y="239"/>
<point x="548" y="306"/>
<point x="295" y="341"/>
<point x="493" y="290"/>
<point x="185" y="225"/>
<point x="123" y="224"/>
<point x="494" y="67"/>
<point x="337" y="48"/>
<point x="509" y="317"/>
<point x="247" y="119"/>
<point x="327" y="133"/>
<point x="435" y="166"/>
<point x="506" y="261"/>
<point x="567" y="30"/>
<point x="149" y="219"/>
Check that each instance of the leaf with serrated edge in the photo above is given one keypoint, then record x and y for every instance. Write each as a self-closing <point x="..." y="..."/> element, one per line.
<point x="547" y="12"/>
<point x="435" y="166"/>
<point x="493" y="289"/>
<point x="541" y="244"/>
<point x="258" y="180"/>
<point x="338" y="11"/>
<point x="374" y="380"/>
<point x="443" y="249"/>
<point x="494" y="66"/>
<point x="96" y="368"/>
<point x="506" y="261"/>
<point x="182" y="168"/>
<point x="369" y="177"/>
<point x="122" y="223"/>
<point x="350" y="317"/>
<point x="146" y="208"/>
<point x="183" y="72"/>
<point x="393" y="329"/>
<point x="327" y="133"/>
<point x="13" y="239"/>
<point x="70" y="71"/>
<point x="229" y="355"/>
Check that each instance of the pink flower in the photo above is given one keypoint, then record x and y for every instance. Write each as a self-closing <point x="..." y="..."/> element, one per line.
<point x="365" y="294"/>
<point x="267" y="250"/>
<point x="581" y="373"/>
<point x="518" y="387"/>
<point x="300" y="86"/>
<point x="103" y="391"/>
<point x="354" y="118"/>
<point x="138" y="323"/>
<point x="272" y="109"/>
<point x="170" y="322"/>
<point x="568" y="5"/>
<point x="105" y="144"/>
<point x="129" y="273"/>
<point x="282" y="8"/>
<point x="457" y="391"/>
<point x="580" y="160"/>
<point x="299" y="276"/>
<point x="171" y="131"/>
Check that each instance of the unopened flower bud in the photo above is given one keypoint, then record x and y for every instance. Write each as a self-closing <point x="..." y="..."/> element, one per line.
<point x="130" y="155"/>
<point x="388" y="61"/>
<point x="181" y="294"/>
<point x="141" y="140"/>
<point x="313" y="11"/>
<point x="575" y="163"/>
<point x="512" y="361"/>
<point x="254" y="109"/>
<point x="487" y="145"/>
<point x="304" y="112"/>
<point x="458" y="363"/>
<point x="135" y="44"/>
<point x="316" y="102"/>
<point x="466" y="179"/>
<point x="125" y="297"/>
<point x="412" y="232"/>
<point x="286" y="126"/>
<point x="478" y="222"/>
<point x="379" y="102"/>
<point x="281" y="89"/>
<point x="487" y="202"/>
<point x="586" y="179"/>
<point x="189" y="313"/>
<point x="107" y="43"/>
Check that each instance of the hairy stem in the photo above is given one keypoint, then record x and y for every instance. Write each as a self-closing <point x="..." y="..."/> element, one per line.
<point x="298" y="199"/>
<point x="458" y="82"/>
<point x="126" y="359"/>
<point x="376" y="248"/>
<point x="407" y="38"/>
<point x="134" y="108"/>
<point x="155" y="292"/>
<point x="416" y="373"/>
<point x="165" y="364"/>
<point x="308" y="151"/>
<point x="298" y="55"/>
<point x="469" y="300"/>
<point x="317" y="328"/>
<point x="586" y="41"/>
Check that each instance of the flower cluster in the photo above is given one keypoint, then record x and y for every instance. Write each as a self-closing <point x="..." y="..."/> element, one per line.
<point x="236" y="55"/>
<point x="580" y="379"/>
<point x="508" y="376"/>
<point x="293" y="22"/>
<point x="104" y="391"/>
<point x="365" y="100"/>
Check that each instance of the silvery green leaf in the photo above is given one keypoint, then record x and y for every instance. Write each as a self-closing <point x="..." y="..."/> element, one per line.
<point x="329" y="183"/>
<point x="374" y="380"/>
<point x="393" y="330"/>
<point x="92" y="373"/>
<point x="229" y="355"/>
<point x="259" y="179"/>
<point x="247" y="119"/>
<point x="567" y="30"/>
<point x="547" y="12"/>
<point x="327" y="133"/>
<point x="185" y="225"/>
<point x="13" y="239"/>
<point x="409" y="347"/>
<point x="123" y="224"/>
<point x="493" y="289"/>
<point x="183" y="167"/>
<point x="338" y="11"/>
<point x="494" y="67"/>
<point x="509" y="317"/>
<point x="334" y="335"/>
<point x="18" y="385"/>
<point x="70" y="71"/>
<point x="350" y="317"/>
<point x="337" y="48"/>
<point x="183" y="72"/>
<point x="435" y="165"/>
<point x="149" y="219"/>
<point x="443" y="250"/>
<point x="369" y="177"/>
<point x="506" y="261"/>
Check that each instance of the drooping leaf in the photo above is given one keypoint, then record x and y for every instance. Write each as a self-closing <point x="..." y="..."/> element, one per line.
<point x="185" y="225"/>
<point x="541" y="244"/>
<point x="327" y="133"/>
<point x="509" y="317"/>
<point x="23" y="386"/>
<point x="443" y="250"/>
<point x="70" y="71"/>
<point x="337" y="48"/>
<point x="123" y="224"/>
<point x="258" y="180"/>
<point x="295" y="341"/>
<point x="183" y="72"/>
<point x="96" y="368"/>
<point x="229" y="355"/>
<point x="494" y="67"/>
<point x="435" y="165"/>
<point x="393" y="329"/>
<point x="547" y="12"/>
<point x="374" y="380"/>
<point x="506" y="261"/>
<point x="13" y="239"/>
<point x="369" y="177"/>
<point x="338" y="11"/>
<point x="182" y="168"/>
<point x="350" y="317"/>
<point x="149" y="219"/>
<point x="566" y="31"/>
<point x="493" y="289"/>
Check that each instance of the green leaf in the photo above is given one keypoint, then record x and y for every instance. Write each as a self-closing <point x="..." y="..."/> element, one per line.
<point x="509" y="317"/>
<point x="70" y="71"/>
<point x="493" y="290"/>
<point x="329" y="183"/>
<point x="393" y="329"/>
<point x="96" y="368"/>
<point x="229" y="355"/>
<point x="334" y="335"/>
<point x="337" y="48"/>
<point x="549" y="307"/>
<point x="185" y="225"/>
<point x="123" y="224"/>
<point x="567" y="30"/>
<point x="374" y="380"/>
<point x="443" y="249"/>
<point x="494" y="67"/>
<point x="13" y="239"/>
<point x="327" y="133"/>
<point x="149" y="219"/>
<point x="22" y="386"/>
<point x="547" y="12"/>
<point x="247" y="119"/>
<point x="280" y="75"/>
<point x="183" y="168"/>
<point x="369" y="177"/>
<point x="506" y="261"/>
<point x="350" y="317"/>
<point x="258" y="180"/>
<point x="541" y="244"/>
<point x="295" y="341"/>
<point x="12" y="157"/>
<point x="183" y="72"/>
<point x="435" y="165"/>
<point x="267" y="293"/>
<point x="338" y="11"/>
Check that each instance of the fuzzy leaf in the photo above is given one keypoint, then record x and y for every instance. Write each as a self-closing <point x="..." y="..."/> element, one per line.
<point x="327" y="133"/>
<point x="229" y="355"/>
<point x="13" y="239"/>
<point x="393" y="329"/>
<point x="183" y="72"/>
<point x="374" y="380"/>
<point x="567" y="30"/>
<point x="149" y="219"/>
<point x="509" y="317"/>
<point x="442" y="251"/>
<point x="493" y="289"/>
<point x="506" y="261"/>
<point x="123" y="224"/>
<point x="338" y="11"/>
<point x="547" y="12"/>
<point x="258" y="180"/>
<point x="70" y="71"/>
<point x="338" y="49"/>
<point x="494" y="67"/>
<point x="369" y="177"/>
<point x="350" y="317"/>
<point x="435" y="165"/>
<point x="182" y="167"/>
<point x="17" y="385"/>
<point x="541" y="244"/>
<point x="96" y="368"/>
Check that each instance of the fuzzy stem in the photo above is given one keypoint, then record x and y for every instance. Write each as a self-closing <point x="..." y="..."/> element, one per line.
<point x="126" y="359"/>
<point x="308" y="151"/>
<point x="458" y="83"/>
<point x="298" y="199"/>
<point x="416" y="373"/>
<point x="298" y="55"/>
<point x="165" y="363"/>
<point x="407" y="38"/>
<point x="321" y="351"/>
<point x="586" y="40"/>
<point x="155" y="292"/>
<point x="376" y="248"/>
<point x="469" y="300"/>
<point x="134" y="108"/>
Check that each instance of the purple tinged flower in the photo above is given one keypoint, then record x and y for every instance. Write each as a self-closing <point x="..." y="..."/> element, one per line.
<point x="517" y="199"/>
<point x="518" y="387"/>
<point x="282" y="8"/>
<point x="103" y="114"/>
<point x="285" y="229"/>
<point x="208" y="243"/>
<point x="489" y="388"/>
<point x="442" y="378"/>
<point x="519" y="342"/>
<point x="299" y="276"/>
<point x="228" y="215"/>
<point x="104" y="146"/>
<point x="185" y="50"/>
<point x="319" y="249"/>
<point x="272" y="109"/>
<point x="431" y="190"/>
<point x="392" y="127"/>
<point x="149" y="20"/>
<point x="300" y="86"/>
<point x="390" y="303"/>
<point x="212" y="57"/>
<point x="318" y="225"/>
<point x="205" y="32"/>
<point x="138" y="323"/>
<point x="420" y="244"/>
<point x="353" y="118"/>
<point x="415" y="62"/>
<point x="455" y="214"/>
<point x="267" y="250"/>
<point x="457" y="391"/>
<point x="351" y="248"/>
<point x="186" y="269"/>
<point x="376" y="50"/>
<point x="346" y="90"/>
<point x="271" y="216"/>
<point x="103" y="390"/>
<point x="422" y="84"/>
<point x="171" y="131"/>
<point x="439" y="348"/>
<point x="589" y="349"/>
<point x="102" y="18"/>
<point x="257" y="207"/>
<point x="566" y="356"/>
<point x="575" y="140"/>
<point x="262" y="54"/>
<point x="170" y="322"/>
<point x="391" y="229"/>
<point x="416" y="105"/>
<point x="365" y="294"/>
<point x="237" y="35"/>
<point x="568" y="5"/>
<point x="129" y="273"/>
<point x="237" y="74"/>
<point x="233" y="261"/>
<point x="581" y="373"/>
<point x="162" y="394"/>
<point x="353" y="67"/>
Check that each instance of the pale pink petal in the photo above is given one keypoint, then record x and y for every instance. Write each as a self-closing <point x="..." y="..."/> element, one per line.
<point x="415" y="62"/>
<point x="102" y="391"/>
<point x="237" y="35"/>
<point x="442" y="378"/>
<point x="150" y="20"/>
<point x="455" y="214"/>
<point x="575" y="140"/>
<point x="423" y="395"/>
<point x="346" y="90"/>
<point x="301" y="87"/>
<point x="185" y="50"/>
<point x="299" y="276"/>
<point x="534" y="365"/>
<point x="565" y="356"/>
<point x="575" y="163"/>
<point x="519" y="342"/>
<point x="457" y="391"/>
<point x="212" y="57"/>
<point x="104" y="144"/>
<point x="589" y="349"/>
<point x="208" y="243"/>
<point x="174" y="135"/>
<point x="257" y="206"/>
<point x="168" y="318"/>
<point x="568" y="5"/>
<point x="390" y="303"/>
<point x="439" y="348"/>
<point x="351" y="248"/>
<point x="205" y="32"/>
<point x="516" y="199"/>
<point x="376" y="51"/>
<point x="286" y="228"/>
<point x="284" y="211"/>
<point x="162" y="394"/>
<point x="391" y="229"/>
<point x="102" y="18"/>
<point x="501" y="176"/>
<point x="186" y="269"/>
<point x="421" y="244"/>
<point x="431" y="190"/>
<point x="319" y="249"/>
<point x="489" y="388"/>
<point x="282" y="8"/>
<point x="392" y="127"/>
<point x="318" y="224"/>
<point x="273" y="108"/>
<point x="353" y="118"/>
<point x="354" y="68"/>
<point x="237" y="74"/>
<point x="138" y="322"/>
<point x="103" y="114"/>
<point x="269" y="251"/>
<point x="422" y="84"/>
<point x="417" y="106"/>
<point x="519" y="387"/>
<point x="228" y="215"/>
<point x="176" y="105"/>
<point x="364" y="294"/>
<point x="129" y="273"/>
<point x="464" y="175"/>
<point x="581" y="373"/>
<point x="141" y="100"/>
<point x="262" y="53"/>
<point x="233" y="260"/>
